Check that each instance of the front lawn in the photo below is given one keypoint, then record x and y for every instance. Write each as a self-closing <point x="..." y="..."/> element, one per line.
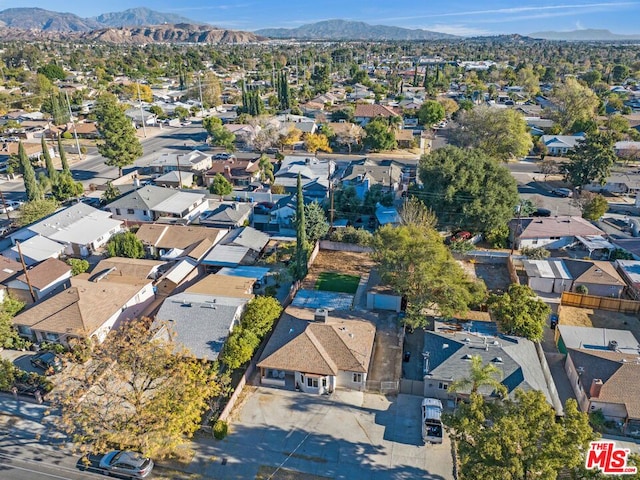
<point x="337" y="282"/>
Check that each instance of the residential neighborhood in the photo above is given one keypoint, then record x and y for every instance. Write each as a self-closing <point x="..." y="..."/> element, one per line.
<point x="254" y="255"/>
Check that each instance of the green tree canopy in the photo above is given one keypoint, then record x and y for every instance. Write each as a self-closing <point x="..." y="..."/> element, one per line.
<point x="590" y="161"/>
<point x="35" y="210"/>
<point x="480" y="376"/>
<point x="468" y="189"/>
<point x="573" y="102"/>
<point x="119" y="144"/>
<point x="519" y="438"/>
<point x="63" y="156"/>
<point x="595" y="208"/>
<point x="32" y="188"/>
<point x="431" y="112"/>
<point x="260" y="314"/>
<point x="125" y="244"/>
<point x="52" y="72"/>
<point x="302" y="245"/>
<point x="78" y="265"/>
<point x="379" y="136"/>
<point x="150" y="399"/>
<point x="266" y="168"/>
<point x="52" y="173"/>
<point x="66" y="187"/>
<point x="316" y="224"/>
<point x="220" y="186"/>
<point x="501" y="134"/>
<point x="220" y="136"/>
<point x="520" y="312"/>
<point x="414" y="261"/>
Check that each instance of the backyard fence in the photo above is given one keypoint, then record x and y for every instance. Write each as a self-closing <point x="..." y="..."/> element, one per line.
<point x="385" y="388"/>
<point x="412" y="387"/>
<point x="571" y="299"/>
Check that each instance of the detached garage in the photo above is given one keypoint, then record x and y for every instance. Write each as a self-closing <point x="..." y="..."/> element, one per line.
<point x="547" y="276"/>
<point x="381" y="297"/>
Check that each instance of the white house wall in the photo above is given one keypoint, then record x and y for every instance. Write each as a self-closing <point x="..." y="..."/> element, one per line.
<point x="576" y="386"/>
<point x="549" y="243"/>
<point x="345" y="380"/>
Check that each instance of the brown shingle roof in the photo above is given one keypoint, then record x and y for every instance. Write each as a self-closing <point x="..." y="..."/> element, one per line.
<point x="9" y="269"/>
<point x="83" y="308"/>
<point x="302" y="344"/>
<point x="224" y="285"/>
<point x="367" y="110"/>
<point x="541" y="227"/>
<point x="175" y="236"/>
<point x="130" y="267"/>
<point x="597" y="272"/>
<point x="45" y="273"/>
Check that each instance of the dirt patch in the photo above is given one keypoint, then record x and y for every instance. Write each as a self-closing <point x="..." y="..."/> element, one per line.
<point x="285" y="474"/>
<point x="494" y="275"/>
<point x="587" y="317"/>
<point x="350" y="263"/>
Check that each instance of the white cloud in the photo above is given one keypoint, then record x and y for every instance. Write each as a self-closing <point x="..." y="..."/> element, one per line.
<point x="579" y="25"/>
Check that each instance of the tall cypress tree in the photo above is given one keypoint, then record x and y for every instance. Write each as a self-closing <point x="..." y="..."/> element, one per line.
<point x="31" y="186"/>
<point x="52" y="173"/>
<point x="63" y="156"/>
<point x="301" y="234"/>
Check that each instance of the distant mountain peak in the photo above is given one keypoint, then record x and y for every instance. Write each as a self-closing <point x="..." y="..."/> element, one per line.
<point x="586" y="34"/>
<point x="339" y="29"/>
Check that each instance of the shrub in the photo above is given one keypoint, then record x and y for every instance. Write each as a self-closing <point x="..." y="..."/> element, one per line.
<point x="357" y="236"/>
<point x="220" y="429"/>
<point x="78" y="266"/>
<point x="535" y="253"/>
<point x="53" y="347"/>
<point x="582" y="289"/>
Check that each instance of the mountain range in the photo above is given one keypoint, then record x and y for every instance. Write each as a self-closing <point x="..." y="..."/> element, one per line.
<point x="583" y="35"/>
<point x="347" y="30"/>
<point x="46" y="20"/>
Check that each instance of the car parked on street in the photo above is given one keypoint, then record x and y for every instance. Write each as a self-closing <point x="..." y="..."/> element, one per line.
<point x="130" y="464"/>
<point x="47" y="361"/>
<point x="562" y="192"/>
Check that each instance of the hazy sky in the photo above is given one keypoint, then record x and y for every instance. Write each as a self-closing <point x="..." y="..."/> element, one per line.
<point x="461" y="17"/>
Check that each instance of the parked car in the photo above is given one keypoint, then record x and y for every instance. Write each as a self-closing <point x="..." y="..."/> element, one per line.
<point x="47" y="361"/>
<point x="222" y="156"/>
<point x="186" y="123"/>
<point x="124" y="462"/>
<point x="460" y="236"/>
<point x="562" y="192"/>
<point x="541" y="212"/>
<point x="10" y="205"/>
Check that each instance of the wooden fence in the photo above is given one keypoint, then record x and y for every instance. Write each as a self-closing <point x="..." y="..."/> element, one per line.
<point x="571" y="299"/>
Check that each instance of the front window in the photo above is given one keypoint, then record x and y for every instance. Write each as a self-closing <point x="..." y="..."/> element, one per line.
<point x="26" y="331"/>
<point x="443" y="386"/>
<point x="51" y="337"/>
<point x="312" y="382"/>
<point x="130" y="211"/>
<point x="357" y="378"/>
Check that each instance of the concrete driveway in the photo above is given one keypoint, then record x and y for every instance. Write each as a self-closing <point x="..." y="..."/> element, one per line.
<point x="348" y="435"/>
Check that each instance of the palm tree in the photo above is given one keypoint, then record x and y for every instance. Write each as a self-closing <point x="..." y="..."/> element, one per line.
<point x="479" y="376"/>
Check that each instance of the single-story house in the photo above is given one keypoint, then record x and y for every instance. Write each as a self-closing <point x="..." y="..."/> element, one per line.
<point x="150" y="203"/>
<point x="447" y="357"/>
<point x="227" y="216"/>
<point x="194" y="161"/>
<point x="606" y="380"/>
<point x="600" y="278"/>
<point x="159" y="239"/>
<point x="559" y="145"/>
<point x="365" y="112"/>
<point x="240" y="172"/>
<point x="35" y="250"/>
<point x="129" y="267"/>
<point x="224" y="285"/>
<point x="199" y="323"/>
<point x="319" y="351"/>
<point x="363" y="174"/>
<point x="80" y="228"/>
<point x="589" y="338"/>
<point x="9" y="269"/>
<point x="86" y="310"/>
<point x="175" y="179"/>
<point x="44" y="278"/>
<point x="550" y="232"/>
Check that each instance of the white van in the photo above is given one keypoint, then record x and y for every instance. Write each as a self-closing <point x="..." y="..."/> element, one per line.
<point x="431" y="422"/>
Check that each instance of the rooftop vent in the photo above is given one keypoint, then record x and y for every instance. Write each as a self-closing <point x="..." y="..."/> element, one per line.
<point x="613" y="345"/>
<point x="497" y="360"/>
<point x="466" y="357"/>
<point x="321" y="315"/>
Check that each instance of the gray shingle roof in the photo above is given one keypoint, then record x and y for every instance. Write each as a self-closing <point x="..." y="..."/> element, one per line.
<point x="197" y="323"/>
<point x="450" y="354"/>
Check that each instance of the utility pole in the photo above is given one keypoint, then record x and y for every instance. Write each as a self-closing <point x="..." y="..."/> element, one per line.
<point x="517" y="232"/>
<point x="73" y="122"/>
<point x="4" y="204"/>
<point x="26" y="273"/>
<point x="144" y="128"/>
<point x="200" y="88"/>
<point x="179" y="172"/>
<point x="330" y="196"/>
